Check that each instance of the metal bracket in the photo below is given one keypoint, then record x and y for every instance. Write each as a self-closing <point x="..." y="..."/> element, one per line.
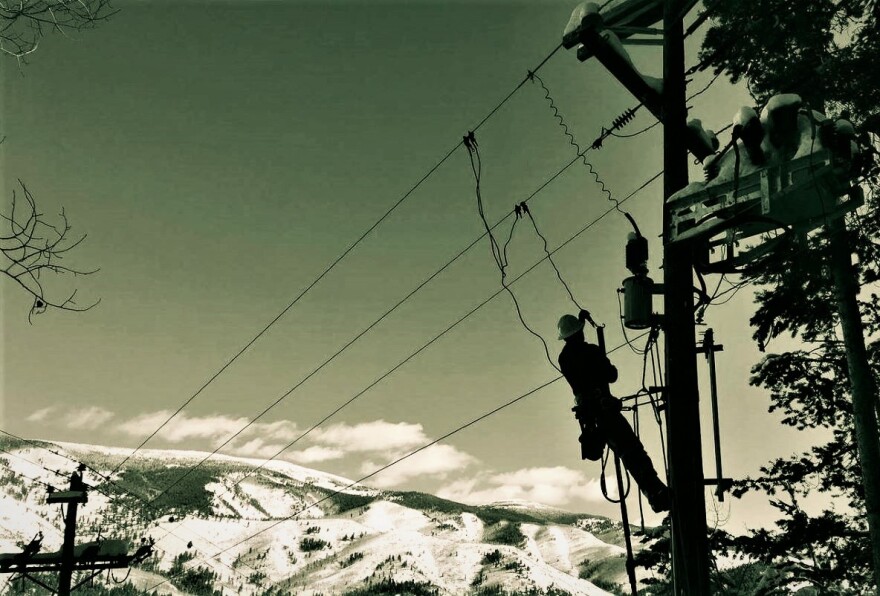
<point x="803" y="193"/>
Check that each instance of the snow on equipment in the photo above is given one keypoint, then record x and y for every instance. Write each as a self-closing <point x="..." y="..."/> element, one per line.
<point x="792" y="168"/>
<point x="604" y="32"/>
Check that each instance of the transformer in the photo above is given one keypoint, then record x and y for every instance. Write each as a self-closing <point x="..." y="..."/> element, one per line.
<point x="638" y="291"/>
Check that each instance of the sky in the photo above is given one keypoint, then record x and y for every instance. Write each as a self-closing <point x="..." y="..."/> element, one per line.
<point x="220" y="155"/>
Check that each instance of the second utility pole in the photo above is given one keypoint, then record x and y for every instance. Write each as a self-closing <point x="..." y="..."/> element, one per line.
<point x="690" y="556"/>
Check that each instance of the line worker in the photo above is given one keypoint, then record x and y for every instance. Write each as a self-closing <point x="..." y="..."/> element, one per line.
<point x="589" y="371"/>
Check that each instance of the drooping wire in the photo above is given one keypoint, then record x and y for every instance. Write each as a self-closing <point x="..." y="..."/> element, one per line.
<point x="659" y="381"/>
<point x="476" y="167"/>
<point x="637" y="430"/>
<point x="618" y="123"/>
<point x="379" y="470"/>
<point x="637" y="133"/>
<point x="470" y="143"/>
<point x="525" y="208"/>
<point x="706" y="88"/>
<point x="335" y="262"/>
<point x="603" y="483"/>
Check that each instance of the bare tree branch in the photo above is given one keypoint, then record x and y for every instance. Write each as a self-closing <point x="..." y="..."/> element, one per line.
<point x="23" y="23"/>
<point x="28" y="254"/>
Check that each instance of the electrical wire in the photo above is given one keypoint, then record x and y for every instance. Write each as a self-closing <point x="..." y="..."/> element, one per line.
<point x="637" y="133"/>
<point x="444" y="332"/>
<point x="706" y="88"/>
<point x="619" y="122"/>
<point x="333" y="264"/>
<point x="476" y="167"/>
<point x="291" y="390"/>
<point x="550" y="259"/>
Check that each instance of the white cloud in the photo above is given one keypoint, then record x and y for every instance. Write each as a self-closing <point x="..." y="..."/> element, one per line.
<point x="87" y="418"/>
<point x="41" y="414"/>
<point x="281" y="430"/>
<point x="377" y="435"/>
<point x="556" y="486"/>
<point x="315" y="454"/>
<point x="183" y="427"/>
<point x="437" y="460"/>
<point x="255" y="448"/>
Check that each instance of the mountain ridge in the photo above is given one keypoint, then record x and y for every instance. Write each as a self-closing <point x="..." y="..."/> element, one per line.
<point x="291" y="529"/>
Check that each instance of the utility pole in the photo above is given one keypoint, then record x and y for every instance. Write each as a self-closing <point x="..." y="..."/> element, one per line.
<point x="862" y="386"/>
<point x="73" y="498"/>
<point x="92" y="557"/>
<point x="690" y="548"/>
<point x="690" y="556"/>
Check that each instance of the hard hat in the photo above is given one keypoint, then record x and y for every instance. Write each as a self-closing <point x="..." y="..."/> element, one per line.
<point x="568" y="325"/>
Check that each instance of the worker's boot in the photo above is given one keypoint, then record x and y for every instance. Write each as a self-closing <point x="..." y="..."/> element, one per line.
<point x="658" y="498"/>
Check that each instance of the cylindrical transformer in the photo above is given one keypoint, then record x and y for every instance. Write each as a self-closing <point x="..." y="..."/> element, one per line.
<point x="637" y="296"/>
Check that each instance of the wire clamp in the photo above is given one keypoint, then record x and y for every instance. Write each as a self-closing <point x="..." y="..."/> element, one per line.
<point x="470" y="141"/>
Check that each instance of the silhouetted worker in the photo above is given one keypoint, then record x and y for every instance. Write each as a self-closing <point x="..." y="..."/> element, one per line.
<point x="588" y="371"/>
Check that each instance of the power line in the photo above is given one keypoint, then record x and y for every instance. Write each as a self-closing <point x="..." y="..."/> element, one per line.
<point x="29" y="477"/>
<point x="388" y="465"/>
<point x="330" y="267"/>
<point x="496" y="255"/>
<point x="449" y="328"/>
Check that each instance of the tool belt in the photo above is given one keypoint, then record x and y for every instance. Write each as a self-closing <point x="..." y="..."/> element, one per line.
<point x="587" y="411"/>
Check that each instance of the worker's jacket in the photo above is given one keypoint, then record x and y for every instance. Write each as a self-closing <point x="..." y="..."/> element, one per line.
<point x="588" y="371"/>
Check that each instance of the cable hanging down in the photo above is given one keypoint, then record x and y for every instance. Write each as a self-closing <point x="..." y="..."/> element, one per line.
<point x="500" y="259"/>
<point x="619" y="122"/>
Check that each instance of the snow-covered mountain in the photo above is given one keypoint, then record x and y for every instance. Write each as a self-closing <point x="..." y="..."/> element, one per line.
<point x="289" y="529"/>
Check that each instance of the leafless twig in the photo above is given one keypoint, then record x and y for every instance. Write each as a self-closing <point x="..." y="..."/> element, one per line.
<point x="32" y="246"/>
<point x="24" y="22"/>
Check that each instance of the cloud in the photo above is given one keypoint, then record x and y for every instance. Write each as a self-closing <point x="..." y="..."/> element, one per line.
<point x="315" y="454"/>
<point x="377" y="435"/>
<point x="88" y="418"/>
<point x="41" y="414"/>
<point x="217" y="428"/>
<point x="437" y="460"/>
<point x="255" y="448"/>
<point x="557" y="486"/>
<point x="281" y="430"/>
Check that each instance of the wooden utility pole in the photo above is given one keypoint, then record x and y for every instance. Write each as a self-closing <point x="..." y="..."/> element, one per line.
<point x="690" y="548"/>
<point x="92" y="557"/>
<point x="862" y="385"/>
<point x="73" y="498"/>
<point x="690" y="556"/>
